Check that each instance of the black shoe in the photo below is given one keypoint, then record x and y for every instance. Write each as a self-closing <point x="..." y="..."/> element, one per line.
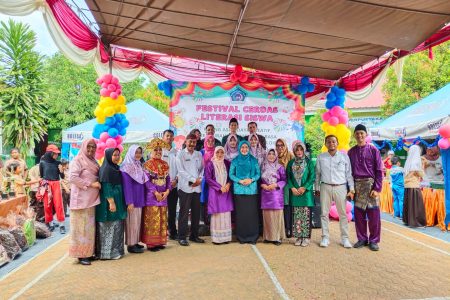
<point x="134" y="249"/>
<point x="62" y="229"/>
<point x="183" y="243"/>
<point x="50" y="227"/>
<point x="360" y="244"/>
<point x="66" y="215"/>
<point x="241" y="242"/>
<point x="197" y="240"/>
<point x="139" y="246"/>
<point x="161" y="247"/>
<point x="253" y="243"/>
<point x="267" y="242"/>
<point x="84" y="261"/>
<point x="173" y="237"/>
<point x="374" y="247"/>
<point x="93" y="257"/>
<point x="153" y="249"/>
<point x="277" y="243"/>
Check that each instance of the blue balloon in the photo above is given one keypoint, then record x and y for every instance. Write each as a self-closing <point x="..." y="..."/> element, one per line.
<point x="123" y="132"/>
<point x="334" y="89"/>
<point x="340" y="93"/>
<point x="330" y="104"/>
<point x="110" y="121"/>
<point x="124" y="123"/>
<point x="113" y="132"/>
<point x="96" y="134"/>
<point x="305" y="80"/>
<point x="340" y="101"/>
<point x="331" y="97"/>
<point x="311" y="88"/>
<point x="118" y="117"/>
<point x="302" y="89"/>
<point x="160" y="86"/>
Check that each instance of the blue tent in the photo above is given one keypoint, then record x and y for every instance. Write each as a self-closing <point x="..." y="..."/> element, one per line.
<point x="421" y="119"/>
<point x="146" y="122"/>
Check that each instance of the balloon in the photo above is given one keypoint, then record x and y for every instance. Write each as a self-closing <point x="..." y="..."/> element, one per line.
<point x="336" y="111"/>
<point x="113" y="95"/>
<point x="109" y="111"/>
<point x="340" y="93"/>
<point x="311" y="88"/>
<point x="348" y="207"/>
<point x="305" y="80"/>
<point x="368" y="139"/>
<point x="115" y="80"/>
<point x="334" y="89"/>
<point x="104" y="92"/>
<point x="104" y="85"/>
<point x="349" y="217"/>
<point x="119" y="139"/>
<point x="110" y="121"/>
<point x="331" y="130"/>
<point x="101" y="146"/>
<point x="343" y="119"/>
<point x="333" y="121"/>
<point x="330" y="104"/>
<point x="444" y="143"/>
<point x="444" y="131"/>
<point x="238" y="71"/>
<point x="331" y="97"/>
<point x="325" y="116"/>
<point x="123" y="110"/>
<point x="111" y="143"/>
<point x="111" y="87"/>
<point x="104" y="136"/>
<point x="95" y="134"/>
<point x="98" y="155"/>
<point x="99" y="81"/>
<point x="107" y="78"/>
<point x="123" y="132"/>
<point x="302" y="89"/>
<point x="100" y="120"/>
<point x="324" y="126"/>
<point x="233" y="78"/>
<point x="324" y="149"/>
<point x="120" y="147"/>
<point x="333" y="212"/>
<point x="119" y="91"/>
<point x="124" y="123"/>
<point x="113" y="132"/>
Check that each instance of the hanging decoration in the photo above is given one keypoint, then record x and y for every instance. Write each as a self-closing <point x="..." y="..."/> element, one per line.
<point x="335" y="120"/>
<point x="444" y="132"/>
<point x="111" y="124"/>
<point x="238" y="75"/>
<point x="400" y="144"/>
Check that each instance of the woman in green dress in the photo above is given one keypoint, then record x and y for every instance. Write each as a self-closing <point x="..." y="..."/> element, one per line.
<point x="111" y="212"/>
<point x="300" y="175"/>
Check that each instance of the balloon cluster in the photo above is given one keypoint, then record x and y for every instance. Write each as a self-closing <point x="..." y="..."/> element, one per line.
<point x="335" y="120"/>
<point x="444" y="141"/>
<point x="112" y="123"/>
<point x="238" y="75"/>
<point x="305" y="86"/>
<point x="348" y="211"/>
<point x="166" y="87"/>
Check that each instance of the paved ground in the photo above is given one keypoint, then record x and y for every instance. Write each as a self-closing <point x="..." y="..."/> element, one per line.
<point x="410" y="265"/>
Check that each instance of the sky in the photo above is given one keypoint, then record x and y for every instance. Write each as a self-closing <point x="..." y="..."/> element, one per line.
<point x="45" y="44"/>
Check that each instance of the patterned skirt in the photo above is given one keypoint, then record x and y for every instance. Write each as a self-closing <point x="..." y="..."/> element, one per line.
<point x="154" y="227"/>
<point x="273" y="225"/>
<point x="221" y="227"/>
<point x="109" y="239"/>
<point x="301" y="219"/>
<point x="82" y="232"/>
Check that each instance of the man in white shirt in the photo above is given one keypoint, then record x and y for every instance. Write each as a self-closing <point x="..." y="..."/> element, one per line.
<point x="190" y="173"/>
<point x="333" y="174"/>
<point x="170" y="156"/>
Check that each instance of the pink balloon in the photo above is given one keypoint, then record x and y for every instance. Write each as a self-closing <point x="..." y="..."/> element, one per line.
<point x="369" y="139"/>
<point x="113" y="95"/>
<point x="348" y="207"/>
<point x="104" y="92"/>
<point x="119" y="92"/>
<point x="333" y="121"/>
<point x="343" y="119"/>
<point x="101" y="145"/>
<point x="115" y="80"/>
<point x="107" y="78"/>
<point x="111" y="87"/>
<point x="349" y="217"/>
<point x="336" y="111"/>
<point x="99" y="81"/>
<point x="120" y="147"/>
<point x="326" y="116"/>
<point x="98" y="155"/>
<point x="119" y="139"/>
<point x="444" y="131"/>
<point x="333" y="212"/>
<point x="104" y="85"/>
<point x="111" y="143"/>
<point x="444" y="143"/>
<point x="104" y="136"/>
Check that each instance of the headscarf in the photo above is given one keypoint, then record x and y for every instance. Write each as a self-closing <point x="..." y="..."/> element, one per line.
<point x="285" y="156"/>
<point x="299" y="164"/>
<point x="209" y="151"/>
<point x="84" y="160"/>
<point x="270" y="169"/>
<point x="109" y="171"/>
<point x="133" y="167"/>
<point x="157" y="166"/>
<point x="220" y="170"/>
<point x="244" y="163"/>
<point x="413" y="161"/>
<point x="230" y="152"/>
<point x="258" y="152"/>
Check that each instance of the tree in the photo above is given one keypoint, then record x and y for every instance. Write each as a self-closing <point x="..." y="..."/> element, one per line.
<point x="156" y="98"/>
<point x="313" y="134"/>
<point x="22" y="110"/>
<point x="73" y="93"/>
<point x="421" y="77"/>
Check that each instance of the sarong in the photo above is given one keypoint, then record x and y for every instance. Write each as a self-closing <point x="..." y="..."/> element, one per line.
<point x="301" y="222"/>
<point x="273" y="225"/>
<point x="109" y="239"/>
<point x="154" y="228"/>
<point x="133" y="226"/>
<point x="363" y="200"/>
<point x="221" y="227"/>
<point x="82" y="232"/>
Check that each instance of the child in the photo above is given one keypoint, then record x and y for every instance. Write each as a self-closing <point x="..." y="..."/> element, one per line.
<point x="65" y="186"/>
<point x="19" y="183"/>
<point x="398" y="186"/>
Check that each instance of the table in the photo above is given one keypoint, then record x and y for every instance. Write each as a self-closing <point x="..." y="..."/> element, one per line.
<point x="11" y="204"/>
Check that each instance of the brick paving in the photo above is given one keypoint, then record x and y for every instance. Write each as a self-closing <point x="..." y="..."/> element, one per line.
<point x="402" y="269"/>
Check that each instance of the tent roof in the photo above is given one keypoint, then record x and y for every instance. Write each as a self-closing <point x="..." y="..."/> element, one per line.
<point x="427" y="114"/>
<point x="322" y="39"/>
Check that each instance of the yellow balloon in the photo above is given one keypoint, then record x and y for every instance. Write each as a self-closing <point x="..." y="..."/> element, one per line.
<point x="120" y="100"/>
<point x="331" y="130"/>
<point x="324" y="126"/>
<point x="101" y="120"/>
<point x="109" y="111"/>
<point x="123" y="110"/>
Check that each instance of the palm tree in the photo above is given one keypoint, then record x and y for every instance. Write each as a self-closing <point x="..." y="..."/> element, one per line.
<point x="22" y="93"/>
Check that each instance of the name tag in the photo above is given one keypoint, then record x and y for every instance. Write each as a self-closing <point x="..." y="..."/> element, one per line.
<point x="187" y="159"/>
<point x="165" y="155"/>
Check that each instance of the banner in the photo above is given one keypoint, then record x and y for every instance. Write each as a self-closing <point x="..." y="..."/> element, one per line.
<point x="195" y="105"/>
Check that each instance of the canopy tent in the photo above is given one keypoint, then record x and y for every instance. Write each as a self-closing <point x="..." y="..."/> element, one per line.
<point x="422" y="119"/>
<point x="146" y="122"/>
<point x="327" y="40"/>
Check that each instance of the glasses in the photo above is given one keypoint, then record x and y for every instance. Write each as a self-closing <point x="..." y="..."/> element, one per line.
<point x="280" y="145"/>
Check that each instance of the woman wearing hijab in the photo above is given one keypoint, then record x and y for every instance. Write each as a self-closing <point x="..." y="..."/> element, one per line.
<point x="133" y="180"/>
<point x="413" y="207"/>
<point x="84" y="196"/>
<point x="284" y="157"/>
<point x="51" y="171"/>
<point x="208" y="153"/>
<point x="157" y="188"/>
<point x="231" y="147"/>
<point x="111" y="212"/>
<point x="273" y="180"/>
<point x="301" y="176"/>
<point x="244" y="172"/>
<point x="220" y="203"/>
<point x="256" y="149"/>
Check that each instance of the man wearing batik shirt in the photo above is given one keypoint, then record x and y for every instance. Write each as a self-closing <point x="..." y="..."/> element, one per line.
<point x="367" y="169"/>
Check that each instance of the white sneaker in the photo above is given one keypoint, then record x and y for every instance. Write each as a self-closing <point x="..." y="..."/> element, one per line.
<point x="346" y="243"/>
<point x="325" y="242"/>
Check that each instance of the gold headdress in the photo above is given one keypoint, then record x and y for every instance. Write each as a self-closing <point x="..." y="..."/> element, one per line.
<point x="157" y="143"/>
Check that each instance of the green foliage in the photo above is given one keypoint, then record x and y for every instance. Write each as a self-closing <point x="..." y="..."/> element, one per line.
<point x="313" y="134"/>
<point x="421" y="77"/>
<point x="156" y="98"/>
<point x="73" y="93"/>
<point x="22" y="90"/>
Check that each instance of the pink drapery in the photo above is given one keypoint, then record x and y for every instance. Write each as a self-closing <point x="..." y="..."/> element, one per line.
<point x="191" y="70"/>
